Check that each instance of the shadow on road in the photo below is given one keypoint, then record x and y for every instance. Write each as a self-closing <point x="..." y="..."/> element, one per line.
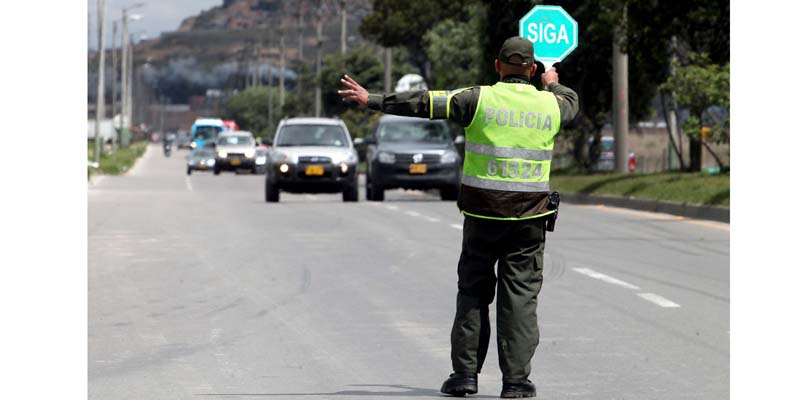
<point x="404" y="391"/>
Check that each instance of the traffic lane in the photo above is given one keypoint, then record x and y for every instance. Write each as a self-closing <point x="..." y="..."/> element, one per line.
<point x="428" y="334"/>
<point x="208" y="355"/>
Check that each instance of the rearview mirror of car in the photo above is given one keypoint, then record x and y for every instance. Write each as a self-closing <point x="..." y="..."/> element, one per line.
<point x="358" y="141"/>
<point x="459" y="139"/>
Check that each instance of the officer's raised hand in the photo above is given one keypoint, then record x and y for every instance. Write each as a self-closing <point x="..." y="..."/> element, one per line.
<point x="549" y="76"/>
<point x="354" y="92"/>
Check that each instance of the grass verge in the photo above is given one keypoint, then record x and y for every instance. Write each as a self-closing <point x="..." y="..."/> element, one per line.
<point x="119" y="162"/>
<point x="691" y="188"/>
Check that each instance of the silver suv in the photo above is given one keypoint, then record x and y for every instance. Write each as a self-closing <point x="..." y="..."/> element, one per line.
<point x="312" y="155"/>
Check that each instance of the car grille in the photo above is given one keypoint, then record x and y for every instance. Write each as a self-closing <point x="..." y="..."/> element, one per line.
<point x="426" y="158"/>
<point x="235" y="154"/>
<point x="314" y="159"/>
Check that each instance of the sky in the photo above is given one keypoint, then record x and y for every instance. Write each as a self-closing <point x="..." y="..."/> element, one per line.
<point x="157" y="16"/>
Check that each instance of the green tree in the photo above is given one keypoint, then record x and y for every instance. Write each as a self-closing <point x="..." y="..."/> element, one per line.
<point x="454" y="49"/>
<point x="699" y="86"/>
<point x="250" y="110"/>
<point x="404" y="23"/>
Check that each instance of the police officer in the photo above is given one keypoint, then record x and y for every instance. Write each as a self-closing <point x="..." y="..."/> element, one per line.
<point x="505" y="198"/>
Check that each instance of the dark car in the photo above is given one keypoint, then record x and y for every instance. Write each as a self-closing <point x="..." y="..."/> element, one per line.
<point x="412" y="153"/>
<point x="200" y="159"/>
<point x="312" y="155"/>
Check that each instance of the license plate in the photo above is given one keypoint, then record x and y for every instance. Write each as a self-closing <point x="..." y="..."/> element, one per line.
<point x="314" y="170"/>
<point x="418" y="168"/>
<point x="201" y="166"/>
<point x="235" y="162"/>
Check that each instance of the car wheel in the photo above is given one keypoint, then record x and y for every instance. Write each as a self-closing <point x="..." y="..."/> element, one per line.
<point x="188" y="171"/>
<point x="374" y="192"/>
<point x="350" y="192"/>
<point x="271" y="192"/>
<point x="449" y="193"/>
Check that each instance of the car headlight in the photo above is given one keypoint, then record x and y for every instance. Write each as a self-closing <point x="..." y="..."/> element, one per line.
<point x="193" y="145"/>
<point x="260" y="160"/>
<point x="386" y="158"/>
<point x="278" y="157"/>
<point x="449" y="157"/>
<point x="250" y="153"/>
<point x="284" y="168"/>
<point x="210" y="162"/>
<point x="222" y="154"/>
<point x="351" y="159"/>
<point x="343" y="167"/>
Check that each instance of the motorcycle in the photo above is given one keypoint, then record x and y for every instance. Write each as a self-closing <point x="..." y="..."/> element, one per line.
<point x="167" y="149"/>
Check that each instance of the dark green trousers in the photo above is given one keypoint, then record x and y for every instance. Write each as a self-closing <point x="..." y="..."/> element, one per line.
<point x="518" y="249"/>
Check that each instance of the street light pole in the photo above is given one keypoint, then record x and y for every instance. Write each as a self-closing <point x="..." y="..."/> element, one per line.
<point x="101" y="64"/>
<point x="113" y="79"/>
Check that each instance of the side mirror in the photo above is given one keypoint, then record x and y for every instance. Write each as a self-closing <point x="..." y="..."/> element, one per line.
<point x="358" y="141"/>
<point x="460" y="139"/>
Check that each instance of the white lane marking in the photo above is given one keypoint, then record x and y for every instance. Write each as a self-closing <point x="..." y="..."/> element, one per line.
<point x="605" y="278"/>
<point x="654" y="298"/>
<point x="393" y="208"/>
<point x="431" y="219"/>
<point x="456" y="226"/>
<point x="189" y="184"/>
<point x="413" y="214"/>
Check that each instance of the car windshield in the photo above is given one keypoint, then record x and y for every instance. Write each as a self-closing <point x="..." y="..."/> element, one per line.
<point x="242" y="140"/>
<point x="606" y="145"/>
<point x="207" y="132"/>
<point x="427" y="132"/>
<point x="312" y="135"/>
<point x="202" y="152"/>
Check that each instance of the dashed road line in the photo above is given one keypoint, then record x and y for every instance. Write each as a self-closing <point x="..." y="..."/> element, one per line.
<point x="605" y="278"/>
<point x="654" y="298"/>
<point x="456" y="226"/>
<point x="189" y="184"/>
<point x="413" y="214"/>
<point x="393" y="208"/>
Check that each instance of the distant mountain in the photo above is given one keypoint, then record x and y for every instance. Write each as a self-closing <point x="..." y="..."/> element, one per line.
<point x="223" y="47"/>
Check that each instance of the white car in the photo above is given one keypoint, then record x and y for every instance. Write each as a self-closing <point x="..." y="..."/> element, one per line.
<point x="312" y="155"/>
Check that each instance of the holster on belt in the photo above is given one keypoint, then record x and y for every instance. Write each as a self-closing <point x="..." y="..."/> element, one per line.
<point x="550" y="221"/>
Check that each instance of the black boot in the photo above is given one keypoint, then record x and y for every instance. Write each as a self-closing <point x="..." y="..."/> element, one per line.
<point x="515" y="390"/>
<point x="459" y="384"/>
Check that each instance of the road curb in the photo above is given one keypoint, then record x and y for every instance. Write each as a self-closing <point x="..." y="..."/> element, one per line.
<point x="713" y="213"/>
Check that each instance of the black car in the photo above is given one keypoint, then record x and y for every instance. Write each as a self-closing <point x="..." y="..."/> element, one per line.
<point x="412" y="153"/>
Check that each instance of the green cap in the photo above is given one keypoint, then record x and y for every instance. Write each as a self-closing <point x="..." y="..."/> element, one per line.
<point x="516" y="51"/>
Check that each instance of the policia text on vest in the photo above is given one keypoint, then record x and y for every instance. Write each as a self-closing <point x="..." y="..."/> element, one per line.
<point x="505" y="198"/>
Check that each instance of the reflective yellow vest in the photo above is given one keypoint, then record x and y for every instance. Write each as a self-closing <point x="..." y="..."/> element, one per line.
<point x="509" y="146"/>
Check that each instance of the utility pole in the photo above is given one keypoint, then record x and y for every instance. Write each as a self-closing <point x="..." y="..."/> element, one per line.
<point x="387" y="70"/>
<point x="318" y="88"/>
<point x="620" y="99"/>
<point x="672" y="115"/>
<point x="113" y="80"/>
<point x="124" y="135"/>
<point x="101" y="65"/>
<point x="271" y="90"/>
<point x="343" y="36"/>
<point x="301" y="31"/>
<point x="282" y="78"/>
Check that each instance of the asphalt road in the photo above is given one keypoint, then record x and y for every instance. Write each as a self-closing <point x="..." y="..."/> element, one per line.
<point x="200" y="289"/>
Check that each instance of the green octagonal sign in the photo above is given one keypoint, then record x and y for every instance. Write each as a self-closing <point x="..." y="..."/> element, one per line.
<point x="553" y="32"/>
